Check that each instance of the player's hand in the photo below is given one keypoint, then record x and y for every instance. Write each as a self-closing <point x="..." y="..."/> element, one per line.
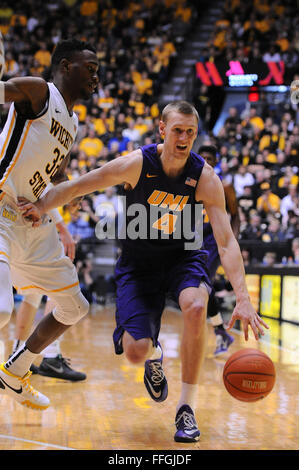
<point x="68" y="242"/>
<point x="30" y="211"/>
<point x="245" y="312"/>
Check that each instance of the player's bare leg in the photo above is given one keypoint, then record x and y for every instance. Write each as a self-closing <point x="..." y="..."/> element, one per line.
<point x="193" y="303"/>
<point x="24" y="321"/>
<point x="54" y="364"/>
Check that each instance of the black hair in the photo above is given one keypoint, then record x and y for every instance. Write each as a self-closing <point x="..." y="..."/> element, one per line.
<point x="67" y="48"/>
<point x="208" y="149"/>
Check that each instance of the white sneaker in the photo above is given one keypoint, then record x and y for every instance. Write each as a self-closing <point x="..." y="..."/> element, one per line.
<point x="21" y="390"/>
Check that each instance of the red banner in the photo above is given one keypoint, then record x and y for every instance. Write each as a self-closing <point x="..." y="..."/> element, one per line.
<point x="235" y="73"/>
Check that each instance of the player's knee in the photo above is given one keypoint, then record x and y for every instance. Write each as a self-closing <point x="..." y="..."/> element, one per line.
<point x="72" y="309"/>
<point x="137" y="351"/>
<point x="4" y="318"/>
<point x="195" y="315"/>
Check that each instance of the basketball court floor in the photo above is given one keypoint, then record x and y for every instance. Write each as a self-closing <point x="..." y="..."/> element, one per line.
<point x="111" y="409"/>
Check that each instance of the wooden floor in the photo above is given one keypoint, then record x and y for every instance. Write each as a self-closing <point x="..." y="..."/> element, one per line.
<point x="111" y="410"/>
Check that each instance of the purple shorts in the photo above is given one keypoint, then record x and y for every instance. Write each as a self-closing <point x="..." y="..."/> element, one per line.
<point x="142" y="286"/>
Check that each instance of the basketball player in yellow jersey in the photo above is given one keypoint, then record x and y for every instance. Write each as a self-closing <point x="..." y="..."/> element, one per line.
<point x="34" y="146"/>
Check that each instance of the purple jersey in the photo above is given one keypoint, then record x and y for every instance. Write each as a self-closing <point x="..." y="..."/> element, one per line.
<point x="168" y="203"/>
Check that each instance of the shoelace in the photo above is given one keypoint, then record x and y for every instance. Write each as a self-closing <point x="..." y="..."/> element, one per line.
<point x="189" y="420"/>
<point x="157" y="372"/>
<point x="65" y="360"/>
<point x="26" y="384"/>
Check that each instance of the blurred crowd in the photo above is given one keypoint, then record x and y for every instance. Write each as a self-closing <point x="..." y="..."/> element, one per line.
<point x="258" y="146"/>
<point x="137" y="43"/>
<point x="259" y="155"/>
<point x="260" y="29"/>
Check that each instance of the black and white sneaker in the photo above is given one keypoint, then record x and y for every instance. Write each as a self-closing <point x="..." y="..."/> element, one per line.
<point x="155" y="380"/>
<point x="187" y="430"/>
<point x="59" y="367"/>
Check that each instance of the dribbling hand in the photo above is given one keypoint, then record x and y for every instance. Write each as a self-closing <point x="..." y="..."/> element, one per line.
<point x="245" y="312"/>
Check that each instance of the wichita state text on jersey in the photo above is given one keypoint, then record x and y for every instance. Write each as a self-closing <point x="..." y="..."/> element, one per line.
<point x="31" y="150"/>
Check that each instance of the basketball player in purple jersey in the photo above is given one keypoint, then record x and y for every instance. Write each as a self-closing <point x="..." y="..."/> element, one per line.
<point x="164" y="186"/>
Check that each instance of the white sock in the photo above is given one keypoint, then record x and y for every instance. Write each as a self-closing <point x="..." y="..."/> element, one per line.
<point x="189" y="393"/>
<point x="52" y="350"/>
<point x="19" y="363"/>
<point x="156" y="353"/>
<point x="18" y="343"/>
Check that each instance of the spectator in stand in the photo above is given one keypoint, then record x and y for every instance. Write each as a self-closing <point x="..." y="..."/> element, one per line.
<point x="108" y="206"/>
<point x="88" y="213"/>
<point x="292" y="229"/>
<point x="140" y="125"/>
<point x="255" y="120"/>
<point x="295" y="251"/>
<point x="241" y="179"/>
<point x="144" y="86"/>
<point x="131" y="133"/>
<point x="79" y="227"/>
<point x="11" y="66"/>
<point x="288" y="178"/>
<point x="269" y="259"/>
<point x="246" y="255"/>
<point x="225" y="172"/>
<point x="91" y="145"/>
<point x="268" y="202"/>
<point x="289" y="202"/>
<point x="118" y="139"/>
<point x="273" y="232"/>
<point x="254" y="228"/>
<point x="273" y="139"/>
<point x="273" y="55"/>
<point x="43" y="56"/>
<point x="246" y="200"/>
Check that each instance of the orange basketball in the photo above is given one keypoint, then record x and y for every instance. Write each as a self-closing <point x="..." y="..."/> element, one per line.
<point x="249" y="375"/>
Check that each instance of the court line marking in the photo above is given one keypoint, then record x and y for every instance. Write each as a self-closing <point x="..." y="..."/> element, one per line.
<point x="4" y="436"/>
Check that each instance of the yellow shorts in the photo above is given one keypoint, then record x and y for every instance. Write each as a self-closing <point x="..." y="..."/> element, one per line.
<point x="35" y="255"/>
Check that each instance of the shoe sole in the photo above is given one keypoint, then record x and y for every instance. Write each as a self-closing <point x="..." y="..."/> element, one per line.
<point x="186" y="440"/>
<point x="57" y="376"/>
<point x="33" y="406"/>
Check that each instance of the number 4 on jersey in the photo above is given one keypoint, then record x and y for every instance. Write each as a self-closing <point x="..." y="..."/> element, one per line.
<point x="166" y="223"/>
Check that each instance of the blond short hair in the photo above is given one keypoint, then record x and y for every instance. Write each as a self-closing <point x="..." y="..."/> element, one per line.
<point x="182" y="107"/>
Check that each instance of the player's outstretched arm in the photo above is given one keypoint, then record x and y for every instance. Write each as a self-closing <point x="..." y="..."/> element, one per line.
<point x="33" y="90"/>
<point x="210" y="191"/>
<point x="125" y="169"/>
